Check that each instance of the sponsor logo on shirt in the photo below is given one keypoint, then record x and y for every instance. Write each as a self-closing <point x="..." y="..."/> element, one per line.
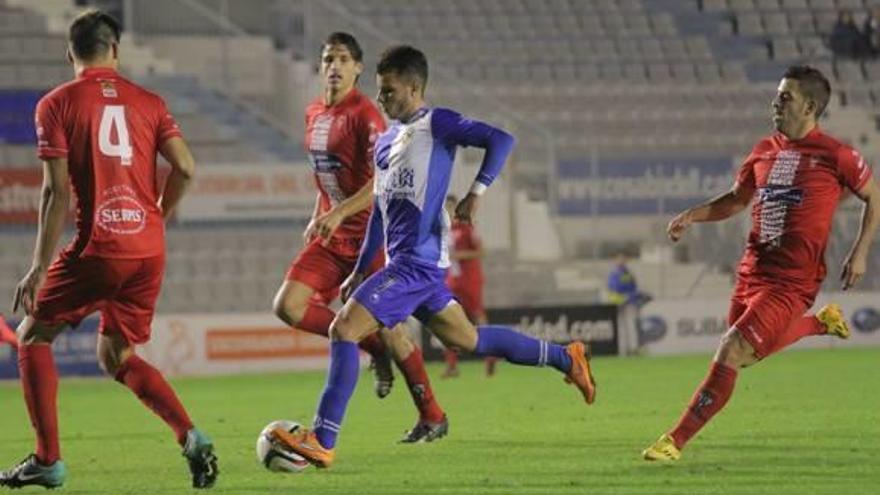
<point x="120" y="212"/>
<point x="399" y="183"/>
<point x="778" y="195"/>
<point x="788" y="195"/>
<point x="108" y="89"/>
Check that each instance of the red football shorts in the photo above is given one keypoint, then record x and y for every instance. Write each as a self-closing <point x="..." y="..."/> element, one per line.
<point x="324" y="270"/>
<point x="471" y="300"/>
<point x="124" y="291"/>
<point x="761" y="312"/>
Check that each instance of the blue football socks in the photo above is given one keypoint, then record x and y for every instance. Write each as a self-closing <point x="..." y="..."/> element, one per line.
<point x="518" y="348"/>
<point x="341" y="380"/>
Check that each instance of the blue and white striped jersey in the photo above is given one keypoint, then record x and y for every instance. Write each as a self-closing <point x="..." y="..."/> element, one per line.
<point x="414" y="162"/>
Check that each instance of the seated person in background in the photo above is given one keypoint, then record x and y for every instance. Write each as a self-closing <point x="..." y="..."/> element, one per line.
<point x="622" y="286"/>
<point x="846" y="40"/>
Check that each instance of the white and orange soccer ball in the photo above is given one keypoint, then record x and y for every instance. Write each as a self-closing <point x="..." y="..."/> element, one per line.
<point x="275" y="459"/>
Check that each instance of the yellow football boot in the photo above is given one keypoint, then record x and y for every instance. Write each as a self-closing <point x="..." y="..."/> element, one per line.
<point x="832" y="318"/>
<point x="663" y="449"/>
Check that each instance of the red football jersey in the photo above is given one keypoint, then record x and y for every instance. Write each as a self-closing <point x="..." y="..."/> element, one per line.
<point x="797" y="185"/>
<point x="339" y="141"/>
<point x="465" y="275"/>
<point x="110" y="130"/>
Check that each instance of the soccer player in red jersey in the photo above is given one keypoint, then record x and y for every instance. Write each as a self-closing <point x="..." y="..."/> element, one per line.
<point x="796" y="177"/>
<point x="101" y="132"/>
<point x="7" y="334"/>
<point x="465" y="280"/>
<point x="341" y="128"/>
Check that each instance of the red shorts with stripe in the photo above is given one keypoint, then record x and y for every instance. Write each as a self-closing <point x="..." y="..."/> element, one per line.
<point x="324" y="270"/>
<point x="762" y="311"/>
<point x="123" y="290"/>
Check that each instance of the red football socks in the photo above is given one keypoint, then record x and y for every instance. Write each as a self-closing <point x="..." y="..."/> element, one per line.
<point x="7" y="334"/>
<point x="39" y="382"/>
<point x="803" y="327"/>
<point x="413" y="369"/>
<point x="451" y="358"/>
<point x="151" y="388"/>
<point x="709" y="398"/>
<point x="372" y="344"/>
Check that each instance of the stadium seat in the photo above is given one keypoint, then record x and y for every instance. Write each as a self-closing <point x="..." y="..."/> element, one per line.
<point x="749" y="24"/>
<point x="776" y="23"/>
<point x="739" y="6"/>
<point x="802" y="23"/>
<point x="659" y="72"/>
<point x="715" y="5"/>
<point x="785" y="49"/>
<point x="849" y="71"/>
<point x="822" y="4"/>
<point x="793" y="4"/>
<point x="813" y="47"/>
<point x="664" y="24"/>
<point x="872" y="70"/>
<point x="853" y="5"/>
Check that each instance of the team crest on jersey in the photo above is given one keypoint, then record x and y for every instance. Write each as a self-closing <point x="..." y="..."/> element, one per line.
<point x="108" y="89"/>
<point x="406" y="136"/>
<point x="120" y="212"/>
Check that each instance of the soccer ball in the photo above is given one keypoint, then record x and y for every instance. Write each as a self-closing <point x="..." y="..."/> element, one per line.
<point x="275" y="459"/>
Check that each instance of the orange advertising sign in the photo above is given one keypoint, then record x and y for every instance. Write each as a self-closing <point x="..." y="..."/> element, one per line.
<point x="261" y="343"/>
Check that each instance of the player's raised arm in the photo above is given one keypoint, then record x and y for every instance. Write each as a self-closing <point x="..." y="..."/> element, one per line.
<point x="183" y="167"/>
<point x="458" y="130"/>
<point x="54" y="204"/>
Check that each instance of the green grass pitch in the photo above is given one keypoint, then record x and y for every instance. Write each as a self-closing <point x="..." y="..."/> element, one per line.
<point x="800" y="423"/>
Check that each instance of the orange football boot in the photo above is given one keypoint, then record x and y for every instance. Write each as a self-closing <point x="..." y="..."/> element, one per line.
<point x="580" y="374"/>
<point x="304" y="443"/>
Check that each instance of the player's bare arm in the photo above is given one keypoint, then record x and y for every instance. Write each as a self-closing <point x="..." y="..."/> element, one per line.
<point x="183" y="167"/>
<point x="325" y="225"/>
<point x="856" y="263"/>
<point x="54" y="204"/>
<point x="719" y="208"/>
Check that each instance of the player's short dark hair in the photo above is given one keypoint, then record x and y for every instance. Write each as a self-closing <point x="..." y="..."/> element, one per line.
<point x="346" y="40"/>
<point x="405" y="61"/>
<point x="92" y="33"/>
<point x="813" y="84"/>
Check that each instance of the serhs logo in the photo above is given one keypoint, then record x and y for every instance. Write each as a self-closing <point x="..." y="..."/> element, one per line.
<point x="108" y="89"/>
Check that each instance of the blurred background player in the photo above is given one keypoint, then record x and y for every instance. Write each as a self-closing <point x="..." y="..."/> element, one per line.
<point x="7" y="334"/>
<point x="414" y="159"/>
<point x="341" y="129"/>
<point x="796" y="176"/>
<point x="101" y="133"/>
<point x="465" y="280"/>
